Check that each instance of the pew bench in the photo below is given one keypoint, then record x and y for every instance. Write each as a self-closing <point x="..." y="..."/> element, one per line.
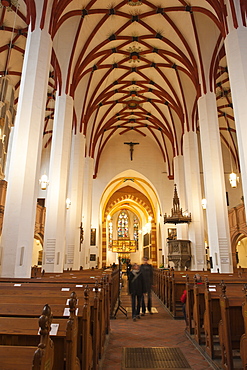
<point x="17" y="357"/>
<point x="31" y="357"/>
<point x="231" y="329"/>
<point x="23" y="331"/>
<point x="93" y="312"/>
<point x="89" y="337"/>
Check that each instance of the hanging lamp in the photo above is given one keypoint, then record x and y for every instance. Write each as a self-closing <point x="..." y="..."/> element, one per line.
<point x="44" y="182"/>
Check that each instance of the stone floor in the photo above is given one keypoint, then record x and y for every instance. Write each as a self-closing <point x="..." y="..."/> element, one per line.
<point x="157" y="330"/>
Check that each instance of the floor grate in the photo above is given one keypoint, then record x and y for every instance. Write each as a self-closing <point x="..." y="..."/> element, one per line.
<point x="153" y="358"/>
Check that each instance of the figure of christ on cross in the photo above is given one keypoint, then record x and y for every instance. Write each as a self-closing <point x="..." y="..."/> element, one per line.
<point x="131" y="148"/>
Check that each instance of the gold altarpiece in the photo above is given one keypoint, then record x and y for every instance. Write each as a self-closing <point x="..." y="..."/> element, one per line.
<point x="123" y="246"/>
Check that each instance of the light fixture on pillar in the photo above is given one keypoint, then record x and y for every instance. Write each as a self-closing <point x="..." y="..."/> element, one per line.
<point x="44" y="182"/>
<point x="68" y="203"/>
<point x="177" y="215"/>
<point x="204" y="203"/>
<point x="233" y="179"/>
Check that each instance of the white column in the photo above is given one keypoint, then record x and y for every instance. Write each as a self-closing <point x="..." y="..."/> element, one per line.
<point x="194" y="197"/>
<point x="179" y="180"/>
<point x="55" y="230"/>
<point x="20" y="207"/>
<point x="87" y="209"/>
<point x="74" y="213"/>
<point x="236" y="53"/>
<point x="214" y="183"/>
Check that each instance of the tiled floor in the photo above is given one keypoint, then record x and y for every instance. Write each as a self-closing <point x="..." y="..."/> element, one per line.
<point x="157" y="330"/>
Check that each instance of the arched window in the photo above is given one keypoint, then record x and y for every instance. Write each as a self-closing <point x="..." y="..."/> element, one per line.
<point x="123" y="225"/>
<point x="136" y="230"/>
<point x="110" y="234"/>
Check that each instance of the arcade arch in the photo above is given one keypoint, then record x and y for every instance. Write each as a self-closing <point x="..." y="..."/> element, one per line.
<point x="138" y="198"/>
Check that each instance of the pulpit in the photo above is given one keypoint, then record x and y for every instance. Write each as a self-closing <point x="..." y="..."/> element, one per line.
<point x="179" y="252"/>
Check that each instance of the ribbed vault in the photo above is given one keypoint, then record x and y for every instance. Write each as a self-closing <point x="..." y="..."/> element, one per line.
<point x="129" y="65"/>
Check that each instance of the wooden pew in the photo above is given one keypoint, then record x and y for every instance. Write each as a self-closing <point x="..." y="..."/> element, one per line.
<point x="72" y="361"/>
<point x="68" y="278"/>
<point x="212" y="314"/>
<point x="212" y="318"/>
<point x="198" y="311"/>
<point x="243" y="340"/>
<point x="93" y="314"/>
<point x="207" y="312"/>
<point x="22" y="331"/>
<point x="231" y="328"/>
<point x="27" y="358"/>
<point x="90" y="327"/>
<point x="203" y="312"/>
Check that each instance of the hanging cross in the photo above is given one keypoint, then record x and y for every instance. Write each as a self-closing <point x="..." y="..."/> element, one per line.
<point x="81" y="235"/>
<point x="131" y="148"/>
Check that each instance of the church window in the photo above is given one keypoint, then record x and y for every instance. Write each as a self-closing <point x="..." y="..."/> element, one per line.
<point x="136" y="230"/>
<point x="123" y="225"/>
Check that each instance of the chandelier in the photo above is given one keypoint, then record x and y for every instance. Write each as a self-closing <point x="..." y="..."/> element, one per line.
<point x="8" y="4"/>
<point x="134" y="53"/>
<point x="134" y="2"/>
<point x="177" y="215"/>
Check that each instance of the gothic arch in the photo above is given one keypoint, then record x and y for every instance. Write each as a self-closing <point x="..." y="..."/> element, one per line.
<point x="135" y="202"/>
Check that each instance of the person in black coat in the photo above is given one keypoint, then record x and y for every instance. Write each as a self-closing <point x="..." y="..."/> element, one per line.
<point x="147" y="272"/>
<point x="136" y="289"/>
<point x="129" y="267"/>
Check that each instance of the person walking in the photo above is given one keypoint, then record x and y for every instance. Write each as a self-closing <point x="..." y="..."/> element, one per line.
<point x="147" y="272"/>
<point x="136" y="289"/>
<point x="129" y="267"/>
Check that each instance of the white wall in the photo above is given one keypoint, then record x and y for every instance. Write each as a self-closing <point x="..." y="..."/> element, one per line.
<point x="147" y="163"/>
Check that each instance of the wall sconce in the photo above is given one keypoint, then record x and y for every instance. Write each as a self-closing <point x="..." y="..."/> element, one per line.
<point x="44" y="182"/>
<point x="204" y="203"/>
<point x="68" y="203"/>
<point x="233" y="179"/>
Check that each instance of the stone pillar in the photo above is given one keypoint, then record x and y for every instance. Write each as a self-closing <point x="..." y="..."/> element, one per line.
<point x="74" y="213"/>
<point x="87" y="209"/>
<point x="214" y="183"/>
<point x="55" y="230"/>
<point x="179" y="180"/>
<point x="194" y="197"/>
<point x="20" y="208"/>
<point x="236" y="54"/>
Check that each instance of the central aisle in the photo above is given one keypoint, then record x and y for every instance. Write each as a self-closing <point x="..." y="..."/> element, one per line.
<point x="157" y="330"/>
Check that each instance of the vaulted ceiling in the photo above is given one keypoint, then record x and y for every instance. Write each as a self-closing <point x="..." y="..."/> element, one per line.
<point x="129" y="65"/>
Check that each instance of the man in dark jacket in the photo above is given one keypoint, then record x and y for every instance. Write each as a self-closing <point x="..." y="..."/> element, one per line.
<point x="147" y="272"/>
<point x="136" y="289"/>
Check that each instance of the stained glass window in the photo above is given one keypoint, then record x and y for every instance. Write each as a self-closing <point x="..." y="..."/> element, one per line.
<point x="123" y="225"/>
<point x="110" y="234"/>
<point x="136" y="230"/>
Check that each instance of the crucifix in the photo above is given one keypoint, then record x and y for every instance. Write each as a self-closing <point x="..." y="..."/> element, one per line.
<point x="131" y="148"/>
<point x="81" y="235"/>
